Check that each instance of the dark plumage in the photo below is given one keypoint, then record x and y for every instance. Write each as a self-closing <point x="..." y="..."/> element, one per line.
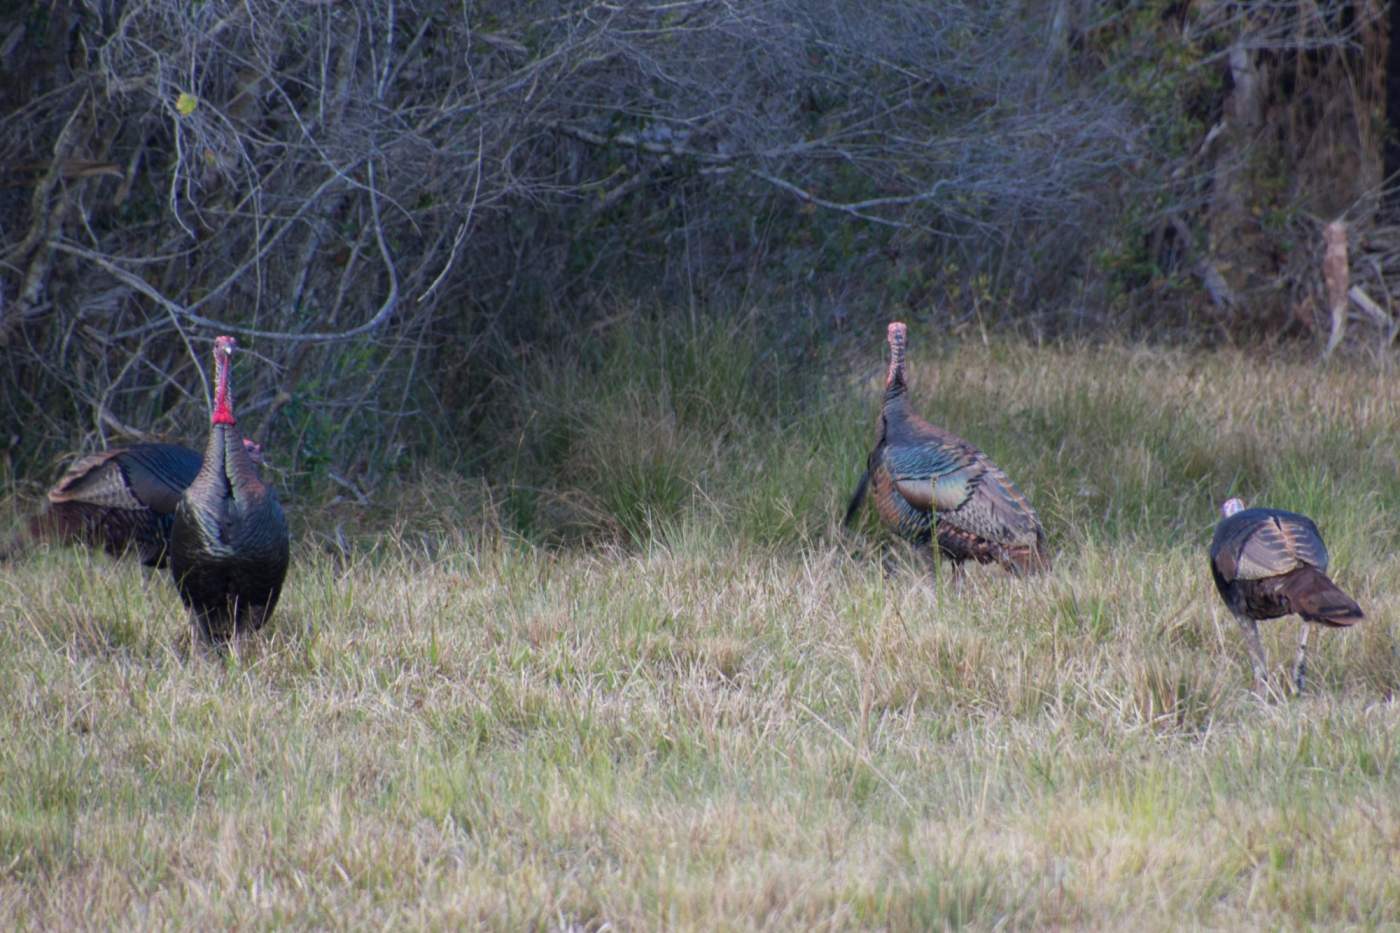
<point x="929" y="482"/>
<point x="1269" y="563"/>
<point x="229" y="546"/>
<point x="121" y="500"/>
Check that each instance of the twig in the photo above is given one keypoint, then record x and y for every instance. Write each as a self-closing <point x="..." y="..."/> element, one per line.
<point x="857" y="209"/>
<point x="121" y="427"/>
<point x="462" y="230"/>
<point x="178" y="310"/>
<point x="360" y="498"/>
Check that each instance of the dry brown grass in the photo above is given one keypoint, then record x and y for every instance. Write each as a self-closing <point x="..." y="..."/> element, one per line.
<point x="717" y="729"/>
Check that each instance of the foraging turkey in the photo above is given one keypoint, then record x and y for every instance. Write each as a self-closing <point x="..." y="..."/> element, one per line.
<point x="119" y="499"/>
<point x="1269" y="563"/>
<point x="229" y="545"/>
<point x="929" y="482"/>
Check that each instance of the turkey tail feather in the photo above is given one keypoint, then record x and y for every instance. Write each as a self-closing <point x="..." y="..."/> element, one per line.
<point x="1316" y="598"/>
<point x="857" y="498"/>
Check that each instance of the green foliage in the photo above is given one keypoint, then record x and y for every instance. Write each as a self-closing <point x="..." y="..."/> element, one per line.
<point x="647" y="425"/>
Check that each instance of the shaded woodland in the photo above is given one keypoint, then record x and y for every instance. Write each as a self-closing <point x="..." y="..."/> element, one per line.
<point x="399" y="207"/>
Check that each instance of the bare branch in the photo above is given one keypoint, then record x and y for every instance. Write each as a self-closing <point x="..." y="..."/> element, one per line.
<point x="180" y="311"/>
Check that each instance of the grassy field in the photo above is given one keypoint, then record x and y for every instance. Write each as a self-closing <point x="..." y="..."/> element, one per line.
<point x="642" y="681"/>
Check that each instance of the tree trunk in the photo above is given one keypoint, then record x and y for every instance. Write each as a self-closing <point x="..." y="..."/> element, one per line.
<point x="1234" y="246"/>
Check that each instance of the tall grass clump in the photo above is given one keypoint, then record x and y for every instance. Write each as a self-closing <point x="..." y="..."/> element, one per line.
<point x="632" y="434"/>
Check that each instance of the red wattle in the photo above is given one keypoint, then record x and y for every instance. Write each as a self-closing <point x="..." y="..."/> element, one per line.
<point x="222" y="413"/>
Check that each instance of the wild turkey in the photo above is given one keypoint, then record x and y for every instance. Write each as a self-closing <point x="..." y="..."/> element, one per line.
<point x="120" y="499"/>
<point x="930" y="482"/>
<point x="1269" y="563"/>
<point x="229" y="545"/>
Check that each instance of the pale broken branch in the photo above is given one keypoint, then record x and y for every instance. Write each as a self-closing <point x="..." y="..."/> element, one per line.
<point x="1378" y="314"/>
<point x="1335" y="276"/>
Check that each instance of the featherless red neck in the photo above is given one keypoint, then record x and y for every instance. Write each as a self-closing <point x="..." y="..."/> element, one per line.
<point x="894" y="378"/>
<point x="223" y="393"/>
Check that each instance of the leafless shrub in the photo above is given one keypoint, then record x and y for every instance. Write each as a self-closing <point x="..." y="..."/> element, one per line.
<point x="393" y="199"/>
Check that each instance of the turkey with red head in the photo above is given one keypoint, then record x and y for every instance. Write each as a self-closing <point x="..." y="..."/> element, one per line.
<point x="929" y="483"/>
<point x="1269" y="563"/>
<point x="229" y="545"/>
<point x="121" y="500"/>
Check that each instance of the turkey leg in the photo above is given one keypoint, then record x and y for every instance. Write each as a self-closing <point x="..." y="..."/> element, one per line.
<point x="1250" y="628"/>
<point x="957" y="576"/>
<point x="1300" y="667"/>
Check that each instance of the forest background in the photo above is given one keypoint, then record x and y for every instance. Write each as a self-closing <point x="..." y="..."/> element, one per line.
<point x="404" y="210"/>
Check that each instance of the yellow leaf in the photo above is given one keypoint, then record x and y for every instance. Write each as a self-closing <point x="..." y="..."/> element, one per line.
<point x="185" y="104"/>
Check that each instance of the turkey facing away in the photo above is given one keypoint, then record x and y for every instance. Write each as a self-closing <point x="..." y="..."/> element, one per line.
<point x="120" y="499"/>
<point x="229" y="545"/>
<point x="931" y="483"/>
<point x="1269" y="563"/>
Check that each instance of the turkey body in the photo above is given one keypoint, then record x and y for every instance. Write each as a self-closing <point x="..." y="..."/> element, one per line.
<point x="121" y="500"/>
<point x="1269" y="563"/>
<point x="229" y="546"/>
<point x="930" y="485"/>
